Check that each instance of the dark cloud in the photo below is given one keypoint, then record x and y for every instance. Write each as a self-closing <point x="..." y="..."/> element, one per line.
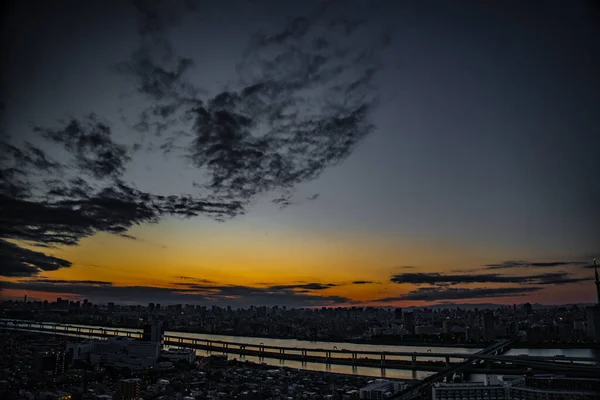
<point x="438" y="293"/>
<point x="306" y="286"/>
<point x="89" y="141"/>
<point x="67" y="282"/>
<point x="197" y="280"/>
<point x="435" y="278"/>
<point x="235" y="295"/>
<point x="407" y="267"/>
<point x="302" y="104"/>
<point x="362" y="282"/>
<point x="299" y="107"/>
<point x="525" y="264"/>
<point x="246" y="140"/>
<point x="17" y="261"/>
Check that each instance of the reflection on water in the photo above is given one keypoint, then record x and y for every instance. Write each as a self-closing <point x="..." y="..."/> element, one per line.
<point x="344" y="369"/>
<point x="339" y="369"/>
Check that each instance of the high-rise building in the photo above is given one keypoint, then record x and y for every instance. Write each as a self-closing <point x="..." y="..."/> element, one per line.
<point x="151" y="307"/>
<point x="554" y="387"/>
<point x="153" y="333"/>
<point x="129" y="389"/>
<point x="489" y="330"/>
<point x="593" y="322"/>
<point x="398" y="314"/>
<point x="409" y="322"/>
<point x="380" y="389"/>
<point x="490" y="389"/>
<point x="110" y="307"/>
<point x="51" y="361"/>
<point x="597" y="283"/>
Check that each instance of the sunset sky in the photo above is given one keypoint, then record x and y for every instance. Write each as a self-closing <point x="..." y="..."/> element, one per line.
<point x="300" y="153"/>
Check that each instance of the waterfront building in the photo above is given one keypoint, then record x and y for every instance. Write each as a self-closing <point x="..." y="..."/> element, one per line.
<point x="491" y="389"/>
<point x="489" y="332"/>
<point x="380" y="389"/>
<point x="555" y="387"/>
<point x="129" y="389"/>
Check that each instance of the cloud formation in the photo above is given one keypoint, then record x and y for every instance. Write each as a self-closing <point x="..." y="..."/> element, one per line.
<point x="302" y="104"/>
<point x="17" y="261"/>
<point x="235" y="295"/>
<point x="526" y="264"/>
<point x="436" y="278"/>
<point x="442" y="293"/>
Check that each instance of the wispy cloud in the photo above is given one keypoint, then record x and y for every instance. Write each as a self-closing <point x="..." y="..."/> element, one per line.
<point x="442" y="293"/>
<point x="435" y="278"/>
<point x="247" y="139"/>
<point x="236" y="295"/>
<point x="529" y="264"/>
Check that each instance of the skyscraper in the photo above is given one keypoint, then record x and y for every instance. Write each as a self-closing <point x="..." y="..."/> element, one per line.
<point x="597" y="283"/>
<point x="153" y="333"/>
<point x="129" y="389"/>
<point x="409" y="322"/>
<point x="489" y="332"/>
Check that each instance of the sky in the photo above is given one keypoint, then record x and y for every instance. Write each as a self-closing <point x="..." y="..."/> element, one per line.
<point x="314" y="153"/>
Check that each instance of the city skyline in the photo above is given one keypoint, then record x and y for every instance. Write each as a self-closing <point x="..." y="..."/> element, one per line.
<point x="303" y="155"/>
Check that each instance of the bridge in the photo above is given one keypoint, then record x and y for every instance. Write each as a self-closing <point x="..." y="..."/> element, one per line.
<point x="494" y="352"/>
<point x="485" y="361"/>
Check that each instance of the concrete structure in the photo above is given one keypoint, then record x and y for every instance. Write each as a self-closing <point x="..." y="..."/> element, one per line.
<point x="124" y="353"/>
<point x="593" y="322"/>
<point x="489" y="329"/>
<point x="80" y="350"/>
<point x="409" y="322"/>
<point x="555" y="387"/>
<point x="488" y="390"/>
<point x="173" y="355"/>
<point x="153" y="333"/>
<point x="597" y="281"/>
<point x="380" y="389"/>
<point x="129" y="389"/>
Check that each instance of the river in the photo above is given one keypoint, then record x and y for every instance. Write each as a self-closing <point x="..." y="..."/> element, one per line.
<point x="346" y="369"/>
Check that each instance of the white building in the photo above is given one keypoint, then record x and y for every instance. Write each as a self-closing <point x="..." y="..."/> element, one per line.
<point x="81" y="350"/>
<point x="188" y="355"/>
<point x="380" y="389"/>
<point x="491" y="389"/>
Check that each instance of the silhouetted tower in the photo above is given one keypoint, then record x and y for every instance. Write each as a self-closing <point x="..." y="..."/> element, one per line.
<point x="597" y="282"/>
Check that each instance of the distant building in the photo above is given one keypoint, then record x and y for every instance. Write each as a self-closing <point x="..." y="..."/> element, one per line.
<point x="398" y="314"/>
<point x="153" y="333"/>
<point x="555" y="387"/>
<point x="52" y="361"/>
<point x="59" y="395"/>
<point x="446" y="326"/>
<point x="593" y="322"/>
<point x="125" y="353"/>
<point x="380" y="389"/>
<point x="110" y="307"/>
<point x="489" y="332"/>
<point x="79" y="350"/>
<point x="409" y="322"/>
<point x="173" y="355"/>
<point x="129" y="389"/>
<point x="491" y="389"/>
